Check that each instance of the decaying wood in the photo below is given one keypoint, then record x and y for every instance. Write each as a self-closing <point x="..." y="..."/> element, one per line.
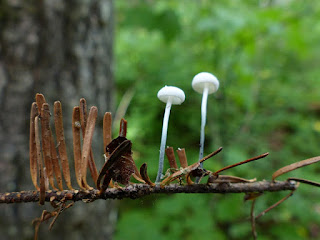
<point x="32" y="146"/>
<point x="58" y="123"/>
<point x="134" y="191"/>
<point x="123" y="128"/>
<point x="40" y="100"/>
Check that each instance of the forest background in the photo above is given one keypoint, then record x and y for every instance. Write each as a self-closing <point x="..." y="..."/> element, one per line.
<point x="266" y="56"/>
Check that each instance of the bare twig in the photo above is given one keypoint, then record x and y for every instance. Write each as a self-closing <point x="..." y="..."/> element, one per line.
<point x="304" y="181"/>
<point x="140" y="190"/>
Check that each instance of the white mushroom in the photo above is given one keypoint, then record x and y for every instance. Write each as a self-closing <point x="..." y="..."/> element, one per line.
<point x="204" y="83"/>
<point x="169" y="95"/>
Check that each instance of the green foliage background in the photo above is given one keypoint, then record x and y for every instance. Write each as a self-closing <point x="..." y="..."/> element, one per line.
<point x="266" y="56"/>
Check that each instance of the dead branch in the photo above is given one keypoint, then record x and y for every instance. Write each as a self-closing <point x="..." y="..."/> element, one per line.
<point x="134" y="191"/>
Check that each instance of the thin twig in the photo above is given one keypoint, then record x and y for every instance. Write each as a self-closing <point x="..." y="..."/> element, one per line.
<point x="140" y="190"/>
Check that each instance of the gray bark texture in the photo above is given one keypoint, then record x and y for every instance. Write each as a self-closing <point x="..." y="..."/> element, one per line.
<point x="62" y="49"/>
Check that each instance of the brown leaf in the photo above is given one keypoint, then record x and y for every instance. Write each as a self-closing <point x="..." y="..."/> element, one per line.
<point x="76" y="126"/>
<point x="182" y="157"/>
<point x="55" y="164"/>
<point x="107" y="129"/>
<point x="46" y="142"/>
<point x="294" y="166"/>
<point x="243" y="162"/>
<point x="252" y="196"/>
<point x="32" y="146"/>
<point x="86" y="148"/>
<point x="58" y="123"/>
<point x="123" y="128"/>
<point x="84" y="120"/>
<point x="40" y="101"/>
<point x="40" y="163"/>
<point x="144" y="175"/>
<point x="119" y="166"/>
<point x="171" y="158"/>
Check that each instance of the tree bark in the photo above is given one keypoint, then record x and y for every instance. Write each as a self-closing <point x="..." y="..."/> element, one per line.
<point x="62" y="49"/>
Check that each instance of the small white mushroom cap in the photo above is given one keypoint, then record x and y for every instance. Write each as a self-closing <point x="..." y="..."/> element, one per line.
<point x="205" y="79"/>
<point x="176" y="95"/>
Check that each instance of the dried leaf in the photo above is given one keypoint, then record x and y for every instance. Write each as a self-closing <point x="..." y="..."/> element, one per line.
<point x="58" y="123"/>
<point x="231" y="179"/>
<point x="86" y="148"/>
<point x="119" y="166"/>
<point x="107" y="129"/>
<point x="187" y="170"/>
<point x="294" y="166"/>
<point x="144" y="175"/>
<point x="123" y="128"/>
<point x="32" y="146"/>
<point x="40" y="100"/>
<point x="55" y="164"/>
<point x="171" y="158"/>
<point x="76" y="126"/>
<point x="243" y="162"/>
<point x="42" y="194"/>
<point x="46" y="142"/>
<point x="83" y="118"/>
<point x="252" y="196"/>
<point x="182" y="157"/>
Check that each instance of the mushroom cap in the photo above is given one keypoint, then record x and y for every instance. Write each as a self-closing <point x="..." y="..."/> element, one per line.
<point x="176" y="94"/>
<point x="203" y="79"/>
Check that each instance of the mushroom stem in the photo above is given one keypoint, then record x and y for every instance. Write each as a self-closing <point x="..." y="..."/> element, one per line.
<point x="203" y="120"/>
<point x="164" y="138"/>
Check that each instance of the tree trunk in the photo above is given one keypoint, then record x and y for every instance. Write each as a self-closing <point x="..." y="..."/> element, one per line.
<point x="62" y="49"/>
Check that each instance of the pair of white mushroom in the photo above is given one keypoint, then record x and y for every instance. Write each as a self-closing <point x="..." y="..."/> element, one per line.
<point x="204" y="83"/>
